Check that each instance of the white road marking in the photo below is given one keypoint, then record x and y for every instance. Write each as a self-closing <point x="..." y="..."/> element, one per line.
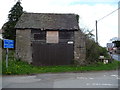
<point x="114" y="75"/>
<point x="103" y="84"/>
<point x="27" y="79"/>
<point x="91" y="78"/>
<point x="82" y="78"/>
<point x="100" y="84"/>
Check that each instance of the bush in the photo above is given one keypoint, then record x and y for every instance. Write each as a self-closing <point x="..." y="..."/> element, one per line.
<point x="93" y="51"/>
<point x="117" y="43"/>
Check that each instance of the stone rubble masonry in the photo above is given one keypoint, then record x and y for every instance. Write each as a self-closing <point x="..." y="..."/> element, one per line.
<point x="24" y="49"/>
<point x="79" y="48"/>
<point x="23" y="45"/>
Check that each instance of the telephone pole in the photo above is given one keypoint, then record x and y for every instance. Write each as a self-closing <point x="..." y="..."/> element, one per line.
<point x="96" y="22"/>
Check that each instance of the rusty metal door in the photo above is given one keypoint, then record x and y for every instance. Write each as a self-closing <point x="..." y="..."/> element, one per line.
<point x="52" y="54"/>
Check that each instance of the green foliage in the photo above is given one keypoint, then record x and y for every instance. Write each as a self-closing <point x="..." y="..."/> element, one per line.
<point x="93" y="49"/>
<point x="15" y="12"/>
<point x="77" y="17"/>
<point x="14" y="15"/>
<point x="89" y="34"/>
<point x="18" y="67"/>
<point x="117" y="43"/>
<point x="0" y="43"/>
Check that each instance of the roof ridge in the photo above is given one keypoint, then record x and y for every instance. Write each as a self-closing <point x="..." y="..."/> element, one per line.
<point x="51" y="13"/>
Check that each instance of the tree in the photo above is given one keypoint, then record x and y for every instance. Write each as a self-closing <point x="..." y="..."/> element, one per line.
<point x="93" y="49"/>
<point x="13" y="16"/>
<point x="77" y="17"/>
<point x="117" y="43"/>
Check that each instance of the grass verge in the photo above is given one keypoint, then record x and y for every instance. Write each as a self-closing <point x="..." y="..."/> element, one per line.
<point x="19" y="68"/>
<point x="16" y="67"/>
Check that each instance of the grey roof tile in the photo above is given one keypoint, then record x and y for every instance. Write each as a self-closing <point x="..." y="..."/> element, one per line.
<point x="50" y="21"/>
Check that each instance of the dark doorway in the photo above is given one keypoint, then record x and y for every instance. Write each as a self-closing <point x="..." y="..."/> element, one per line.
<point x="52" y="54"/>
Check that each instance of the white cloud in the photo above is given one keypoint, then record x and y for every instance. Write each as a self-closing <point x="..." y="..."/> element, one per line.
<point x="107" y="28"/>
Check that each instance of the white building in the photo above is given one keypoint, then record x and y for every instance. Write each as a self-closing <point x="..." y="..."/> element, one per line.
<point x="119" y="20"/>
<point x="110" y="45"/>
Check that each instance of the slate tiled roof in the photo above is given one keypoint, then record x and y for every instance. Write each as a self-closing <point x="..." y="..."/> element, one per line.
<point x="49" y="21"/>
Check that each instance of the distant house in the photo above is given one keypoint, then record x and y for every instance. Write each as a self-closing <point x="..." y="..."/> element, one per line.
<point x="110" y="46"/>
<point x="49" y="39"/>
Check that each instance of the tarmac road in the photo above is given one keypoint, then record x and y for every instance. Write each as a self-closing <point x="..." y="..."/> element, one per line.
<point x="99" y="79"/>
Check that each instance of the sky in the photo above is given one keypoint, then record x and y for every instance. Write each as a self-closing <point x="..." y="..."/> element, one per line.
<point x="88" y="10"/>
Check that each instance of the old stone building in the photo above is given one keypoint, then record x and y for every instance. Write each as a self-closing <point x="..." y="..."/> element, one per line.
<point x="49" y="39"/>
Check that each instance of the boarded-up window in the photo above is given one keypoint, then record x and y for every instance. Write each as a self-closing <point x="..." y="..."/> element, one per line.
<point x="52" y="37"/>
<point x="39" y="36"/>
<point x="65" y="34"/>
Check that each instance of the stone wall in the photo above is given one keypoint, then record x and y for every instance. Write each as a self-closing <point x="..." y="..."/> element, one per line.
<point x="23" y="45"/>
<point x="24" y="49"/>
<point x="79" y="48"/>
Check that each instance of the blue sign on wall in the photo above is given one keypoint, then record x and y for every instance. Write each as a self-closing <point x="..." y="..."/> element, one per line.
<point x="8" y="43"/>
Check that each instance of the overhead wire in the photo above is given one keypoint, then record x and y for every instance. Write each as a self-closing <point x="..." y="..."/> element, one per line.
<point x="108" y="14"/>
<point x="103" y="18"/>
